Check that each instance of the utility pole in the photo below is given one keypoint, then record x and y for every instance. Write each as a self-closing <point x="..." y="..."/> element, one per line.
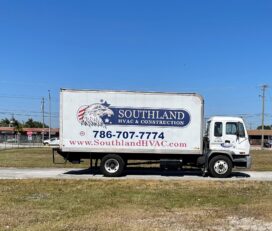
<point x="49" y="98"/>
<point x="250" y="125"/>
<point x="42" y="119"/>
<point x="263" y="88"/>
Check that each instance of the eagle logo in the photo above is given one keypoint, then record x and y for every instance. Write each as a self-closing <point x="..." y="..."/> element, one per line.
<point x="93" y="115"/>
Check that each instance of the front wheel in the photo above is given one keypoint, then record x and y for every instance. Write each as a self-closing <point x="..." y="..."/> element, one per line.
<point x="220" y="166"/>
<point x="112" y="165"/>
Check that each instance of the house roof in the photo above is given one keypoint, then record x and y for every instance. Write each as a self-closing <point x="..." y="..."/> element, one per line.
<point x="259" y="132"/>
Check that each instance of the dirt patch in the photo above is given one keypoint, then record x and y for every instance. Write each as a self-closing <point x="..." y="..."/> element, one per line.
<point x="247" y="224"/>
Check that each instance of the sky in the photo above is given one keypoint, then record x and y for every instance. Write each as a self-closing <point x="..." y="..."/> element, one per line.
<point x="221" y="49"/>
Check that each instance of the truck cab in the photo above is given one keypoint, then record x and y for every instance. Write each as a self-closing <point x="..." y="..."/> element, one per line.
<point x="227" y="138"/>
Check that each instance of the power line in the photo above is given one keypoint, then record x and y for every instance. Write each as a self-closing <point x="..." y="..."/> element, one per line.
<point x="27" y="112"/>
<point x="26" y="98"/>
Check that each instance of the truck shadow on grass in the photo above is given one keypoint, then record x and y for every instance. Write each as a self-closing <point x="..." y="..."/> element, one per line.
<point x="141" y="171"/>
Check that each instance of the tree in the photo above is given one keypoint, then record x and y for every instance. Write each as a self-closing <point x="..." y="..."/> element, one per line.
<point x="18" y="127"/>
<point x="266" y="127"/>
<point x="4" y="122"/>
<point x="11" y="123"/>
<point x="30" y="123"/>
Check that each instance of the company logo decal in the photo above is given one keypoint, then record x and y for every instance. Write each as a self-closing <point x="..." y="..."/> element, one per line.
<point x="227" y="145"/>
<point x="103" y="114"/>
<point x="95" y="114"/>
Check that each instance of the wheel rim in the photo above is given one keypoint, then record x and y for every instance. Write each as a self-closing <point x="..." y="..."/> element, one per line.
<point x="112" y="165"/>
<point x="221" y="167"/>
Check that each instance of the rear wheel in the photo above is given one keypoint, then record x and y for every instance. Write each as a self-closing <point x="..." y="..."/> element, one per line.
<point x="112" y="165"/>
<point x="220" y="166"/>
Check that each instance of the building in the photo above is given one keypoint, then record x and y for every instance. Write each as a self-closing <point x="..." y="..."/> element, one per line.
<point x="255" y="136"/>
<point x="26" y="134"/>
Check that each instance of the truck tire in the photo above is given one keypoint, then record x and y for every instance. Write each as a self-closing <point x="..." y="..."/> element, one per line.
<point x="220" y="166"/>
<point x="112" y="165"/>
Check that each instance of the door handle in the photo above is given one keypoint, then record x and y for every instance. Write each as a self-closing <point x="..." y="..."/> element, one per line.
<point x="227" y="141"/>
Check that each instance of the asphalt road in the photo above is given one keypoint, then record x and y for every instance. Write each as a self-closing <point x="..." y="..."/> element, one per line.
<point x="140" y="174"/>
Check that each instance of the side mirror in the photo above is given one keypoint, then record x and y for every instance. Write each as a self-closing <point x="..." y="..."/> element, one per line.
<point x="237" y="132"/>
<point x="238" y="135"/>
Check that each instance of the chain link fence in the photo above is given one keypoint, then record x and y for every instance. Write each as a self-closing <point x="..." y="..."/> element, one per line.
<point x="18" y="141"/>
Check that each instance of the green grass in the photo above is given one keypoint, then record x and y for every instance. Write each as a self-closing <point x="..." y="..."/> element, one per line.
<point x="262" y="160"/>
<point x="32" y="157"/>
<point x="130" y="205"/>
<point x="42" y="157"/>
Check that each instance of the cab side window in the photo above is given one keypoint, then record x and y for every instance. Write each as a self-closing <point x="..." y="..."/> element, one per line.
<point x="231" y="128"/>
<point x="218" y="129"/>
<point x="241" y="130"/>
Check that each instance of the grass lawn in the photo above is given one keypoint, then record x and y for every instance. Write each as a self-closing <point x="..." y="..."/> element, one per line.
<point x="262" y="160"/>
<point x="130" y="205"/>
<point x="134" y="205"/>
<point x="33" y="157"/>
<point x="42" y="157"/>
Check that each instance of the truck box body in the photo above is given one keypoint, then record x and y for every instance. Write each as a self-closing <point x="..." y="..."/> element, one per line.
<point x="131" y="122"/>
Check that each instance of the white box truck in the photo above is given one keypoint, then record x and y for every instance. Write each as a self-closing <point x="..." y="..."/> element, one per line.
<point x="117" y="126"/>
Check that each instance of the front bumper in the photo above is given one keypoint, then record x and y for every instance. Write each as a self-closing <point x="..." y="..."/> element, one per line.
<point x="242" y="161"/>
